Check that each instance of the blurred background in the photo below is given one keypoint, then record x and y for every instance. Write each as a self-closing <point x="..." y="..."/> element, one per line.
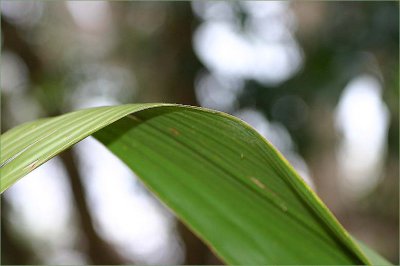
<point x="319" y="80"/>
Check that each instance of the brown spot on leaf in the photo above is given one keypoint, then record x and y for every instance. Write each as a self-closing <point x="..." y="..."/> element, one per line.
<point x="135" y="118"/>
<point x="33" y="165"/>
<point x="277" y="199"/>
<point x="174" y="131"/>
<point x="257" y="182"/>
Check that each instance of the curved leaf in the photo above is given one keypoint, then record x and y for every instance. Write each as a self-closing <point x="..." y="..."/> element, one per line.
<point x="214" y="171"/>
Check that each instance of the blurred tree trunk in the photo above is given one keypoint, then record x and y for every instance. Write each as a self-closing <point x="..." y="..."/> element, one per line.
<point x="322" y="158"/>
<point x="165" y="75"/>
<point x="13" y="251"/>
<point x="97" y="249"/>
<point x="178" y="76"/>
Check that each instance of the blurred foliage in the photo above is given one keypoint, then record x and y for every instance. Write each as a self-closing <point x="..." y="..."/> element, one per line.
<point x="348" y="39"/>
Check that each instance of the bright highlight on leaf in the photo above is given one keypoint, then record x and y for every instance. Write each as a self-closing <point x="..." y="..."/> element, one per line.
<point x="218" y="175"/>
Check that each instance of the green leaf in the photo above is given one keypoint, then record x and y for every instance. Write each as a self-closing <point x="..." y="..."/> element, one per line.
<point x="218" y="175"/>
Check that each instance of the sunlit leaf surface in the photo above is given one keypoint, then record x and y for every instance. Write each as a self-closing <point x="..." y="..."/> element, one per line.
<point x="216" y="173"/>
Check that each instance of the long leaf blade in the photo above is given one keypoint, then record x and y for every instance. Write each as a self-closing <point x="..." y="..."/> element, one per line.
<point x="215" y="172"/>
